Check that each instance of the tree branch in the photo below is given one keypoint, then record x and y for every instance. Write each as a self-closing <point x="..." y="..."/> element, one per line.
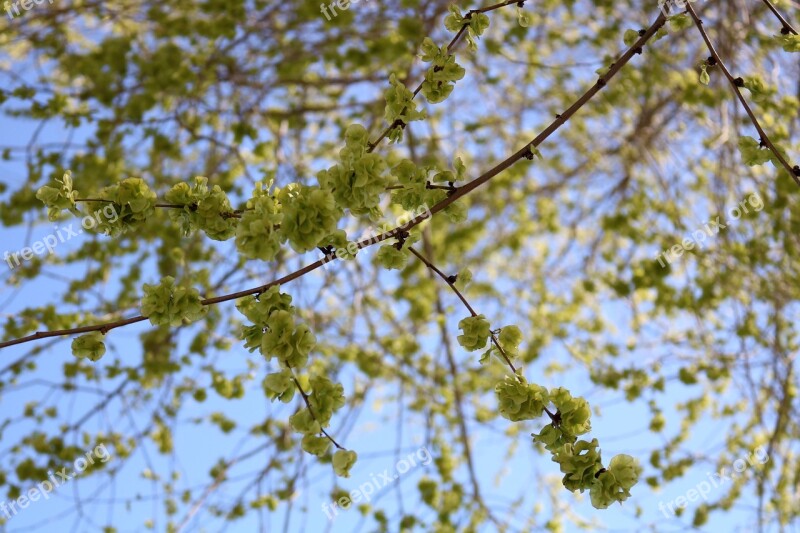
<point x="794" y="172"/>
<point x="523" y="153"/>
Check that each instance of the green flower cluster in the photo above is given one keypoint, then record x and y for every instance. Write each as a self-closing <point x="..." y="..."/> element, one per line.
<point x="257" y="234"/>
<point x="415" y="191"/>
<point x="579" y="463"/>
<point x="358" y="180"/>
<point x="90" y="346"/>
<point x="289" y="342"/>
<point x="168" y="304"/>
<point x="614" y="484"/>
<point x="520" y="400"/>
<point x="400" y="105"/>
<point x="790" y="42"/>
<point x="325" y="399"/>
<point x="476" y="24"/>
<point x="59" y="198"/>
<point x="343" y="461"/>
<point x="575" y="413"/>
<point x="759" y="90"/>
<point x="310" y="214"/>
<point x="390" y="257"/>
<point x="441" y="76"/>
<point x="203" y="208"/>
<point x="754" y="153"/>
<point x="476" y="332"/>
<point x="275" y="332"/>
<point x="133" y="202"/>
<point x="510" y="338"/>
<point x="579" y="460"/>
<point x="315" y="445"/>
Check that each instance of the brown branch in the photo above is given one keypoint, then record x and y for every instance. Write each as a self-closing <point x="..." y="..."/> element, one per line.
<point x="193" y="207"/>
<point x="793" y="172"/>
<point x="786" y="26"/>
<point x="522" y="153"/>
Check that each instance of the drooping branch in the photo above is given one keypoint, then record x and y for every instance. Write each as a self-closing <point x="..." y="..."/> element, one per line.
<point x="451" y="283"/>
<point x="526" y="152"/>
<point x="736" y="83"/>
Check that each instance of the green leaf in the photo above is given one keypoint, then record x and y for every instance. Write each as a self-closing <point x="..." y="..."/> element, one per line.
<point x="705" y="79"/>
<point x="523" y="17"/>
<point x="630" y="37"/>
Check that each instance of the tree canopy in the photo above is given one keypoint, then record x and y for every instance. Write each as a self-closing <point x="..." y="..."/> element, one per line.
<point x="426" y="266"/>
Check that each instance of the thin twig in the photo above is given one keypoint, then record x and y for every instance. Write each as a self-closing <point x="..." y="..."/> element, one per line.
<point x="233" y="214"/>
<point x="793" y="172"/>
<point x="450" y="47"/>
<point x="451" y="283"/>
<point x="787" y="27"/>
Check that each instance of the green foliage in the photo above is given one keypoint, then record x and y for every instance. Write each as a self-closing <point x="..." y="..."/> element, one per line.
<point x="630" y="37"/>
